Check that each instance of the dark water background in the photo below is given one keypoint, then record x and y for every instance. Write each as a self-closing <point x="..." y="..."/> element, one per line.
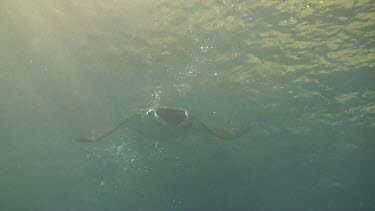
<point x="301" y="72"/>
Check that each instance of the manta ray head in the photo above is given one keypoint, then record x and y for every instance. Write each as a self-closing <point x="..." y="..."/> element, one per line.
<point x="170" y="116"/>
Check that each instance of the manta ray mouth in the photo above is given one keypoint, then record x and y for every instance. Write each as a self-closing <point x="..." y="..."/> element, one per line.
<point x="172" y="116"/>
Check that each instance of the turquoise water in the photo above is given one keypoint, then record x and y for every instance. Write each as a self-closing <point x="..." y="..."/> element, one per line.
<point x="301" y="73"/>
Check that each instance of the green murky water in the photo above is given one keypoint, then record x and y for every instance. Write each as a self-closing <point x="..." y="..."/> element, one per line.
<point x="300" y="72"/>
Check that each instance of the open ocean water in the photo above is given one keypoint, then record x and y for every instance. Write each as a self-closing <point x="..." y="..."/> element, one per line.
<point x="299" y="72"/>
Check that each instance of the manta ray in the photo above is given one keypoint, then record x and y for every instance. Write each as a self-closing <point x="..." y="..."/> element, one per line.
<point x="165" y="121"/>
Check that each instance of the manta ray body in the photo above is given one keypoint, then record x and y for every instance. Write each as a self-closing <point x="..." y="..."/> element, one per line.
<point x="165" y="122"/>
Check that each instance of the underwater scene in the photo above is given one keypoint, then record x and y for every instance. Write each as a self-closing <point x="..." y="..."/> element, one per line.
<point x="207" y="105"/>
